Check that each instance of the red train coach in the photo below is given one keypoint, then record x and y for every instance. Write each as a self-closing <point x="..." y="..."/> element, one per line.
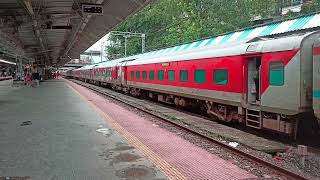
<point x="264" y="83"/>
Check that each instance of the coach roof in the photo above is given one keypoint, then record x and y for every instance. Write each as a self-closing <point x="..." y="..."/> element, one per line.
<point x="256" y="45"/>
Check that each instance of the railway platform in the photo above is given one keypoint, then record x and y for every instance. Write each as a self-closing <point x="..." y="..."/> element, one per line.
<point x="49" y="132"/>
<point x="60" y="130"/>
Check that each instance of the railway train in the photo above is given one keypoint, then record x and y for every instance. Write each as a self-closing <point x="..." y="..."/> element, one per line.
<point x="268" y="83"/>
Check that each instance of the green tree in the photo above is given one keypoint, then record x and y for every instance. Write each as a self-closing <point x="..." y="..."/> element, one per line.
<point x="170" y="22"/>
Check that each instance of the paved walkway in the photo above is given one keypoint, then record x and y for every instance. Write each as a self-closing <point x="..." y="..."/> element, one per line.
<point x="50" y="132"/>
<point x="175" y="156"/>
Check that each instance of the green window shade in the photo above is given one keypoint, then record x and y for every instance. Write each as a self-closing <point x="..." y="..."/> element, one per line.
<point x="144" y="74"/>
<point x="138" y="74"/>
<point x="132" y="74"/>
<point x="200" y="76"/>
<point x="276" y="73"/>
<point x="171" y="75"/>
<point x="160" y="75"/>
<point x="220" y="76"/>
<point x="151" y="75"/>
<point x="183" y="75"/>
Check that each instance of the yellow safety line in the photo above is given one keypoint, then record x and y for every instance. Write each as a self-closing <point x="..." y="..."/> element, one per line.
<point x="171" y="172"/>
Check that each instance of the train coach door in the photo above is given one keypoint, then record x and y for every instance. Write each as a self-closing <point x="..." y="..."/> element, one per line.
<point x="253" y="80"/>
<point x="253" y="113"/>
<point x="119" y="74"/>
<point x="124" y="74"/>
<point x="316" y="80"/>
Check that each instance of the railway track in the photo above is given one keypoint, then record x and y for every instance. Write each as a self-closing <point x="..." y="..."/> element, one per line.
<point x="283" y="171"/>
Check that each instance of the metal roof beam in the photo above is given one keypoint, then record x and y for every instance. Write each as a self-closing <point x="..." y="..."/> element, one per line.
<point x="29" y="8"/>
<point x="79" y="30"/>
<point x="10" y="46"/>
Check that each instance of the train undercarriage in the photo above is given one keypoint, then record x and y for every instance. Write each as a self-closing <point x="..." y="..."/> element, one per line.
<point x="232" y="114"/>
<point x="293" y="126"/>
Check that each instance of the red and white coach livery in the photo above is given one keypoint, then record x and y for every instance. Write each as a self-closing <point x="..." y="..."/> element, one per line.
<point x="264" y="83"/>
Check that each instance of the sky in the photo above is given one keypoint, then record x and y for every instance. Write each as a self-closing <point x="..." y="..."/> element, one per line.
<point x="97" y="45"/>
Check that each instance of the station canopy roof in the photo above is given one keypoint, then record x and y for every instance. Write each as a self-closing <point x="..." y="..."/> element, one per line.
<point x="55" y="31"/>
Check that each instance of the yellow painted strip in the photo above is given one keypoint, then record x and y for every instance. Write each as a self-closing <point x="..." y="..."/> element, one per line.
<point x="171" y="172"/>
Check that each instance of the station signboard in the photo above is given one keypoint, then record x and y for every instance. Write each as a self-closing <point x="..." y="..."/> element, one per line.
<point x="92" y="9"/>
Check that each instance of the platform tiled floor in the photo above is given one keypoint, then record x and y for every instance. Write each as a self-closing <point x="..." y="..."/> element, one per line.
<point x="189" y="160"/>
<point x="49" y="132"/>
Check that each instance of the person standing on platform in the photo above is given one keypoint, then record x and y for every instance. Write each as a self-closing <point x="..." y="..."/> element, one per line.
<point x="28" y="79"/>
<point x="58" y="74"/>
<point x="25" y="79"/>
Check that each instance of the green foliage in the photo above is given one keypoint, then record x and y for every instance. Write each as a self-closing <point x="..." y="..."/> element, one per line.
<point x="170" y="22"/>
<point x="312" y="7"/>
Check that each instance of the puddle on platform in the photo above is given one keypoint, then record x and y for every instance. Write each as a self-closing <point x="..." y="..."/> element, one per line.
<point x="136" y="172"/>
<point x="125" y="157"/>
<point x="107" y="155"/>
<point x="122" y="148"/>
<point x="25" y="123"/>
<point x="104" y="131"/>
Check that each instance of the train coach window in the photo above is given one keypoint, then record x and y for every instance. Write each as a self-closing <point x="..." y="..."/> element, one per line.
<point x="160" y="75"/>
<point x="132" y="74"/>
<point x="151" y="75"/>
<point x="183" y="75"/>
<point x="276" y="73"/>
<point x="200" y="76"/>
<point x="220" y="76"/>
<point x="171" y="75"/>
<point x="144" y="74"/>
<point x="138" y="74"/>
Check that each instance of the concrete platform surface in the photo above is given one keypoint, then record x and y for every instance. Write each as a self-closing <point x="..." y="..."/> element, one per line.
<point x="50" y="132"/>
<point x="178" y="158"/>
